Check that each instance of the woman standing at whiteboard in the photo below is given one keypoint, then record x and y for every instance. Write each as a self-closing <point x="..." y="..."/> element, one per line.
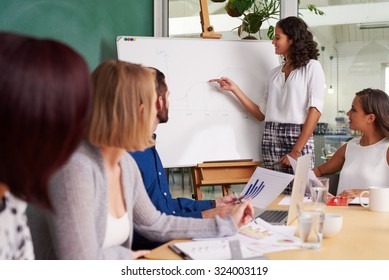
<point x="293" y="99"/>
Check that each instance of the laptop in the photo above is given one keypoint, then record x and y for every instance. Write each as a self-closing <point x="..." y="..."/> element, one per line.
<point x="286" y="217"/>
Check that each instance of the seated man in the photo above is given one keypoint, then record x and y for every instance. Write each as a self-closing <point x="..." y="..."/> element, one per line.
<point x="157" y="185"/>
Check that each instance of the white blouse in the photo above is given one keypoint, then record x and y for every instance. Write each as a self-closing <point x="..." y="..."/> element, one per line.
<point x="364" y="166"/>
<point x="288" y="101"/>
<point x="117" y="232"/>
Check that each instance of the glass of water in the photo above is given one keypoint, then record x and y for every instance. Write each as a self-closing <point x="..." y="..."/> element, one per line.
<point x="310" y="220"/>
<point x="319" y="190"/>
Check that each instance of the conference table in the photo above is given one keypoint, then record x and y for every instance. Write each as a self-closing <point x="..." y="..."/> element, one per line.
<point x="364" y="236"/>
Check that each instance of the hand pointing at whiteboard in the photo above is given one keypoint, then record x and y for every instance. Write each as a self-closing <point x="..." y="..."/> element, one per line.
<point x="227" y="84"/>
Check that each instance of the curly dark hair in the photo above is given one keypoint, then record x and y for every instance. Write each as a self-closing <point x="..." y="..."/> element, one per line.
<point x="304" y="47"/>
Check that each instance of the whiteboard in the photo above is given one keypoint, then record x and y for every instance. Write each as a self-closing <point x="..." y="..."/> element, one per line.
<point x="205" y="123"/>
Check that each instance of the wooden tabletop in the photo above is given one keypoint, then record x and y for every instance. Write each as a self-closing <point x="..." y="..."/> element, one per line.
<point x="364" y="236"/>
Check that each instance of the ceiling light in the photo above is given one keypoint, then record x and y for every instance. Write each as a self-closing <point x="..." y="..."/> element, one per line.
<point x="330" y="90"/>
<point x="373" y="25"/>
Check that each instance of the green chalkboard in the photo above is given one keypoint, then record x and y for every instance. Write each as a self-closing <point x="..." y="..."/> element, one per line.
<point x="89" y="26"/>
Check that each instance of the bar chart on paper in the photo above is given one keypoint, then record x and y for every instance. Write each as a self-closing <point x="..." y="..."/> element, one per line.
<point x="264" y="186"/>
<point x="254" y="189"/>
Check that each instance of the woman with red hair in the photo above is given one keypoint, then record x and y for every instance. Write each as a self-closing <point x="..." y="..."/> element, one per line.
<point x="45" y="95"/>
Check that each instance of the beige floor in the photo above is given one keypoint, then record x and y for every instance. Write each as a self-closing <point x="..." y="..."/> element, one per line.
<point x="179" y="189"/>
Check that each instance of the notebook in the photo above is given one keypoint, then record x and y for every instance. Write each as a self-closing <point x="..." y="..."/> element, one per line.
<point x="286" y="217"/>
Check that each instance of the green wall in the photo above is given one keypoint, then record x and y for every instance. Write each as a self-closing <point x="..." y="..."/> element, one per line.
<point x="89" y="26"/>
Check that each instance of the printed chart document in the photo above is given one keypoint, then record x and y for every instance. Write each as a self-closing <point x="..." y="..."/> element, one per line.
<point x="265" y="238"/>
<point x="254" y="239"/>
<point x="264" y="186"/>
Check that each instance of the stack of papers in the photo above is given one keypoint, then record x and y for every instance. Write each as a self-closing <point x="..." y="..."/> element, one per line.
<point x="254" y="239"/>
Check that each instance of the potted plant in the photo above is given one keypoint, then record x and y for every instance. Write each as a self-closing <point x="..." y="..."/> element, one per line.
<point x="255" y="12"/>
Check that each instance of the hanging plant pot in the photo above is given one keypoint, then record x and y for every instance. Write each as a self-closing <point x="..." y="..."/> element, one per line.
<point x="236" y="8"/>
<point x="252" y="22"/>
<point x="218" y="1"/>
<point x="232" y="11"/>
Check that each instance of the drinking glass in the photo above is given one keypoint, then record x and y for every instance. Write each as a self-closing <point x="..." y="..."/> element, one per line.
<point x="310" y="220"/>
<point x="319" y="191"/>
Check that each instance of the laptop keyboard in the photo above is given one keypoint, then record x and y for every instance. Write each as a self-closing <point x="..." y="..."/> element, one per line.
<point x="273" y="216"/>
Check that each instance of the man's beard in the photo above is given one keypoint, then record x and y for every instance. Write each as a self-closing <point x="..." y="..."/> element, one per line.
<point x="163" y="116"/>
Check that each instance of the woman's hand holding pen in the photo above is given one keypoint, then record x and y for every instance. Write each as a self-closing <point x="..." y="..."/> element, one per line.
<point x="242" y="213"/>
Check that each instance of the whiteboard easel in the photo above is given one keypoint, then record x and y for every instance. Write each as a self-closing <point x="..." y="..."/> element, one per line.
<point x="208" y="31"/>
<point x="205" y="123"/>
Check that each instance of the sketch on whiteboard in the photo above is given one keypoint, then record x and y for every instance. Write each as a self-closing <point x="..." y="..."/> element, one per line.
<point x="205" y="97"/>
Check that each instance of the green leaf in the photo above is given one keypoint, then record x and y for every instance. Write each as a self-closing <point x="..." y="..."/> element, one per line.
<point x="252" y="23"/>
<point x="241" y="5"/>
<point x="270" y="32"/>
<point x="315" y="10"/>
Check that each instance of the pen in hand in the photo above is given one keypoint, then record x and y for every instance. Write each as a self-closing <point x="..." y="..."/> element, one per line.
<point x="239" y="200"/>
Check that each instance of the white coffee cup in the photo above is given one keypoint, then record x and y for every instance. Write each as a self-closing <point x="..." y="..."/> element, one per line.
<point x="332" y="224"/>
<point x="378" y="199"/>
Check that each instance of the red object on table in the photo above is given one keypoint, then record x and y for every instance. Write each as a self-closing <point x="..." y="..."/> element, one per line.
<point x="337" y="201"/>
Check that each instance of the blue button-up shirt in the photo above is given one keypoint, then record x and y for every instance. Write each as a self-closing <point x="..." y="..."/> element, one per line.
<point x="157" y="187"/>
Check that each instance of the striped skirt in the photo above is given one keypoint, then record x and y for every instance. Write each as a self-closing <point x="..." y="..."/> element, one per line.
<point x="278" y="140"/>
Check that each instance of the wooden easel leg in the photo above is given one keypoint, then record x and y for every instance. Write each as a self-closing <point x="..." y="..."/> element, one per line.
<point x="196" y="184"/>
<point x="226" y="190"/>
<point x="197" y="192"/>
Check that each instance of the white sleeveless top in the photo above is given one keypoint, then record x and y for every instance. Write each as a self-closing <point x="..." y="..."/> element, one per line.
<point x="117" y="231"/>
<point x="364" y="166"/>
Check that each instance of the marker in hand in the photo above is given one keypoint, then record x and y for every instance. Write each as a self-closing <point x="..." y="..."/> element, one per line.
<point x="240" y="202"/>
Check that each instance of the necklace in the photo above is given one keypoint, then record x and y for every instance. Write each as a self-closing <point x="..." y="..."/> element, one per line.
<point x="362" y="142"/>
<point x="287" y="68"/>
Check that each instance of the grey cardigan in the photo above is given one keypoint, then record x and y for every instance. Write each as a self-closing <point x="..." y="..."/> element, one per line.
<point x="78" y="193"/>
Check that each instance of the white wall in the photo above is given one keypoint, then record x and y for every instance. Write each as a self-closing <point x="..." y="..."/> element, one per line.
<point x="355" y="66"/>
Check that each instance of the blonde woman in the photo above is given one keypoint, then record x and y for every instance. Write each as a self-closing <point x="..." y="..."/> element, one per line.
<point x="99" y="197"/>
